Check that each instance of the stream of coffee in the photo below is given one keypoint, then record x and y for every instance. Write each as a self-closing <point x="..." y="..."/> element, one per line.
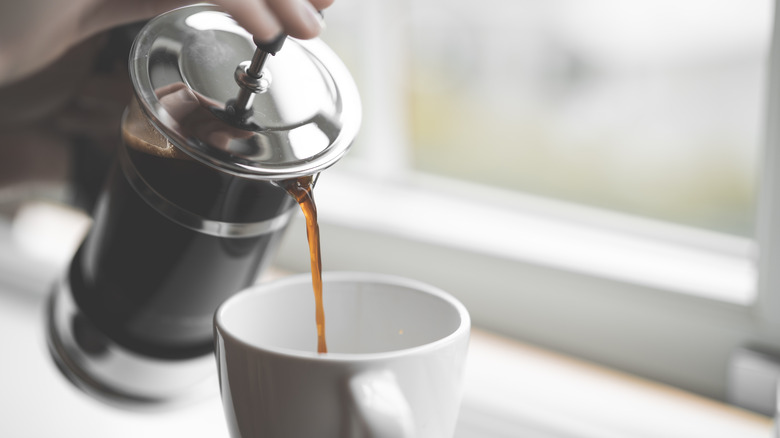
<point x="302" y="190"/>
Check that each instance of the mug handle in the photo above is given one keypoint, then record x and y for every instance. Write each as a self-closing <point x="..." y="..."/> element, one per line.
<point x="380" y="408"/>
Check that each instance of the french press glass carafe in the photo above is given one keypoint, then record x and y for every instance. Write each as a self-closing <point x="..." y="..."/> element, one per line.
<point x="193" y="208"/>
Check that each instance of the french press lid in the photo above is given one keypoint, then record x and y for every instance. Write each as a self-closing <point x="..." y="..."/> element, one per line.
<point x="301" y="110"/>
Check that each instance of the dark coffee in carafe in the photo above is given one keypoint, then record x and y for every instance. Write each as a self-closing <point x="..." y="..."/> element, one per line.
<point x="172" y="239"/>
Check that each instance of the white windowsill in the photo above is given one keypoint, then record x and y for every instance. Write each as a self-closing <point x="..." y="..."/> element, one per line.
<point x="510" y="226"/>
<point x="513" y="389"/>
<point x="543" y="232"/>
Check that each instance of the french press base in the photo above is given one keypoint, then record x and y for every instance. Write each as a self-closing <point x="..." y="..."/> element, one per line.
<point x="113" y="374"/>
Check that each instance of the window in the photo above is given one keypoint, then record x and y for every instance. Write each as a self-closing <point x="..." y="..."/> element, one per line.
<point x="649" y="108"/>
<point x="583" y="175"/>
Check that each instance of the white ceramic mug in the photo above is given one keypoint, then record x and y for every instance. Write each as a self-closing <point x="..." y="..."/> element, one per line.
<point x="394" y="367"/>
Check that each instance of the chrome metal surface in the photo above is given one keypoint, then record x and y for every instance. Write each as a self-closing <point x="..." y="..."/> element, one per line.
<point x="248" y="81"/>
<point x="113" y="374"/>
<point x="303" y="123"/>
<point x="251" y="79"/>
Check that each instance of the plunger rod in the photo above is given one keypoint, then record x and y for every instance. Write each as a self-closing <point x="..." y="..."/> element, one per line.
<point x="241" y="106"/>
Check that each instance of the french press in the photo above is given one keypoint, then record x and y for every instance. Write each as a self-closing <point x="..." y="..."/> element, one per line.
<point x="193" y="208"/>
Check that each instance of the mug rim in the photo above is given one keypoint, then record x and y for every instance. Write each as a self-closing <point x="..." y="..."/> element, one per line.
<point x="463" y="328"/>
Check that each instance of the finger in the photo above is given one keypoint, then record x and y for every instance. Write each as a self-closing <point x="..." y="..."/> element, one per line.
<point x="169" y="89"/>
<point x="109" y="13"/>
<point x="321" y="4"/>
<point x="255" y="16"/>
<point x="179" y="104"/>
<point x="298" y="17"/>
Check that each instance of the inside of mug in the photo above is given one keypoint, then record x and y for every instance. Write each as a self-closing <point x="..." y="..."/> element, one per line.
<point x="360" y="317"/>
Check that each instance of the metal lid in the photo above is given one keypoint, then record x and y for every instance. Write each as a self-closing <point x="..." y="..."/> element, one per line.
<point x="304" y="116"/>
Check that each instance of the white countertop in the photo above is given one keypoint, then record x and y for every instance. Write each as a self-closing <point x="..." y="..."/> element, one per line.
<point x="512" y="390"/>
<point x="37" y="401"/>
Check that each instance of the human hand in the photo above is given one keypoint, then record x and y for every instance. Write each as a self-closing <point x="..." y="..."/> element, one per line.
<point x="59" y="115"/>
<point x="59" y="127"/>
<point x="34" y="33"/>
